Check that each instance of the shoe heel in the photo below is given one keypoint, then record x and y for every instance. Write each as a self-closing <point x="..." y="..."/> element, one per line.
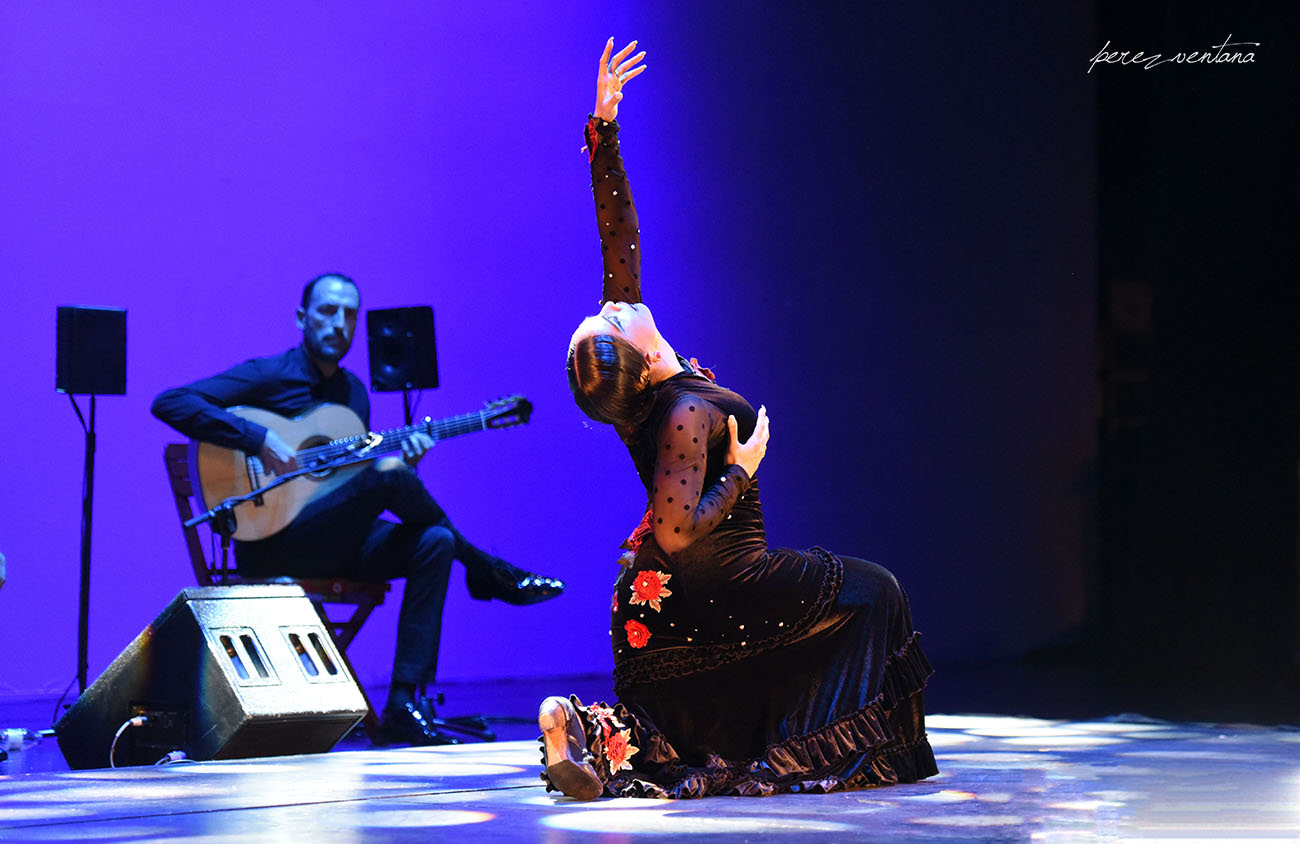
<point x="553" y="718"/>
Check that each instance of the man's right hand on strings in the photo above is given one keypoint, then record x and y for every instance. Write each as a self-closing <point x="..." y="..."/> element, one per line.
<point x="276" y="454"/>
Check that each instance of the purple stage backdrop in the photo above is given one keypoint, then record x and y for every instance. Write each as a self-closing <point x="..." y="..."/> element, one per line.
<point x="878" y="220"/>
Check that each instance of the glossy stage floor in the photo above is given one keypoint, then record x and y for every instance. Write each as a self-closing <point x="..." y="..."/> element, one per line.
<point x="1003" y="778"/>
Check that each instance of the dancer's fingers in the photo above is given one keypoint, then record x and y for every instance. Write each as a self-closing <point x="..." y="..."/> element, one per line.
<point x="604" y="57"/>
<point x="631" y="74"/>
<point x="622" y="54"/>
<point x="625" y="67"/>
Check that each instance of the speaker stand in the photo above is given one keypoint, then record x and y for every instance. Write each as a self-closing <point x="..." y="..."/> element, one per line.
<point x="87" y="501"/>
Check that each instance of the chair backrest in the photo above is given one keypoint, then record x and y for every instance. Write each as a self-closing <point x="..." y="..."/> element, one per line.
<point x="207" y="570"/>
<point x="210" y="570"/>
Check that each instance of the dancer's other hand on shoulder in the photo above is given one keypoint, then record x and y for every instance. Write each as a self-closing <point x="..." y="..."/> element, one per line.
<point x="749" y="454"/>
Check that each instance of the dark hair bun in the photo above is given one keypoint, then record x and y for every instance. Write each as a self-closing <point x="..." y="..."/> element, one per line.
<point x="610" y="378"/>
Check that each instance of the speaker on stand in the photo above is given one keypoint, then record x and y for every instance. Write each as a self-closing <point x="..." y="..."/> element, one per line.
<point x="91" y="361"/>
<point x="403" y="354"/>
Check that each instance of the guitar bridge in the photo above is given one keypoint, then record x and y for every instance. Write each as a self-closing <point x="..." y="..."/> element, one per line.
<point x="255" y="471"/>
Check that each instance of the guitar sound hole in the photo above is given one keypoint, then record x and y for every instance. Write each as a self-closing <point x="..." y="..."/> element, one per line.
<point x="314" y="442"/>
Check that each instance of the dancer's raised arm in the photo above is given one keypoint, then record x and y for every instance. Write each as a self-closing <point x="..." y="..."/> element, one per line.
<point x="616" y="220"/>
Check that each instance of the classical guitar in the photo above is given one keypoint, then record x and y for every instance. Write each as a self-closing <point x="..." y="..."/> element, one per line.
<point x="331" y="445"/>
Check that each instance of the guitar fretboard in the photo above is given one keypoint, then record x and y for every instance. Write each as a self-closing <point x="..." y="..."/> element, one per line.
<point x="370" y="445"/>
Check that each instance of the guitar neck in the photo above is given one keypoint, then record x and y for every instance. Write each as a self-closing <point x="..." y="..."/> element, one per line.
<point x="372" y="445"/>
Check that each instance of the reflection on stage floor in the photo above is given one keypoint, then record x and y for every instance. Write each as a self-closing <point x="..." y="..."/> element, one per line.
<point x="1002" y="778"/>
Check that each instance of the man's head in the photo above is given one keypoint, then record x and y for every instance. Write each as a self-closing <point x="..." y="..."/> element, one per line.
<point x="328" y="317"/>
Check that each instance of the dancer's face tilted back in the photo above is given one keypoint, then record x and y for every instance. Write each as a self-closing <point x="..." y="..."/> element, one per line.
<point x="609" y="362"/>
<point x="626" y="321"/>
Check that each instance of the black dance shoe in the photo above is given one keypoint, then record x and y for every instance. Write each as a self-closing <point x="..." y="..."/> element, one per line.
<point x="568" y="764"/>
<point x="493" y="577"/>
<point x="409" y="726"/>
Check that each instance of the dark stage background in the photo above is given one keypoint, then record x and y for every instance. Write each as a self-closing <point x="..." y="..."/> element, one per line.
<point x="878" y="219"/>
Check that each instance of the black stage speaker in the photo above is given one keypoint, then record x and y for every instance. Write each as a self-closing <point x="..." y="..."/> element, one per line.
<point x="92" y="351"/>
<point x="403" y="355"/>
<point x="224" y="672"/>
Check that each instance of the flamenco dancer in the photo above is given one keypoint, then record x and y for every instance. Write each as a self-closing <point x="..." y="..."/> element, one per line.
<point x="740" y="669"/>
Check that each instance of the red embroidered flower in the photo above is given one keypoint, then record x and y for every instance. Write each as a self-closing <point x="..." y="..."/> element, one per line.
<point x="637" y="634"/>
<point x="613" y="603"/>
<point x="633" y="542"/>
<point x="618" y="750"/>
<point x="648" y="588"/>
<point x="604" y="718"/>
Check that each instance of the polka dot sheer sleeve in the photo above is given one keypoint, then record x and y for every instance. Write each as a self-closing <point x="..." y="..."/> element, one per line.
<point x="687" y="503"/>
<point x="620" y="238"/>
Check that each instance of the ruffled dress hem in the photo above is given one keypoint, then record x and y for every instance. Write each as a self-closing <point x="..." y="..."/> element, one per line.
<point x="871" y="746"/>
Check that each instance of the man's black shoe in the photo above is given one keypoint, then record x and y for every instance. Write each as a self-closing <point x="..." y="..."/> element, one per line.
<point x="409" y="726"/>
<point x="495" y="578"/>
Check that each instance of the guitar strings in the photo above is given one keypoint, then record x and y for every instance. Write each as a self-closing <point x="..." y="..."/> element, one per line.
<point x="393" y="439"/>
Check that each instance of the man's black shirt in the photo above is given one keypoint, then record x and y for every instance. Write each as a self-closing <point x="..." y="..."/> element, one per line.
<point x="289" y="384"/>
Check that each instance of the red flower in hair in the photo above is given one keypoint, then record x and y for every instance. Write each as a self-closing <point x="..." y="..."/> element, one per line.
<point x="648" y="588"/>
<point x="637" y="634"/>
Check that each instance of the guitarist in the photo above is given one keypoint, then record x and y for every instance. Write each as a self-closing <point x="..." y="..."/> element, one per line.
<point x="341" y="534"/>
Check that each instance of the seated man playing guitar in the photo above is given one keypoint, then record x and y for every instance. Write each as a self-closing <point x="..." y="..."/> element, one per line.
<point x="339" y="532"/>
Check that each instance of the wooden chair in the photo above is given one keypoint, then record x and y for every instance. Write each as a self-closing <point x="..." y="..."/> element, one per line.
<point x="351" y="601"/>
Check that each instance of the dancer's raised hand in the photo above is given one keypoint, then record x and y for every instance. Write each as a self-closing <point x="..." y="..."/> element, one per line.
<point x="614" y="73"/>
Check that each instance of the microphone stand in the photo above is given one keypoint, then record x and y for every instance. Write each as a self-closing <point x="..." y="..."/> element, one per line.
<point x="223" y="518"/>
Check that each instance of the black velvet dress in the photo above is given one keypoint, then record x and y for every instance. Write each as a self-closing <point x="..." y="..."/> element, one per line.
<point x="740" y="669"/>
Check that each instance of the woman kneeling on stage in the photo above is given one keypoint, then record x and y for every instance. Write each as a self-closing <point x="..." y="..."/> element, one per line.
<point x="740" y="669"/>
